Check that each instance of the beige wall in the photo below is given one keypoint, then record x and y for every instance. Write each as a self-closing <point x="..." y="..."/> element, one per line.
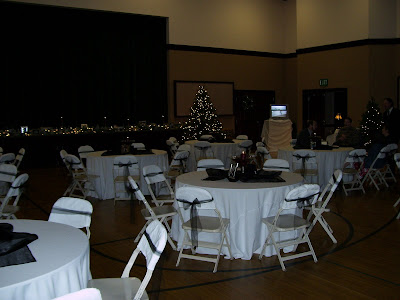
<point x="256" y="25"/>
<point x="247" y="73"/>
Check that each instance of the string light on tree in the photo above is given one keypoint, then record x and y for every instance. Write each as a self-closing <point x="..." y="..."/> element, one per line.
<point x="203" y="118"/>
<point x="371" y="122"/>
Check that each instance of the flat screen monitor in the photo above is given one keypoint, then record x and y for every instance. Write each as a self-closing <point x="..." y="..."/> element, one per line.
<point x="279" y="110"/>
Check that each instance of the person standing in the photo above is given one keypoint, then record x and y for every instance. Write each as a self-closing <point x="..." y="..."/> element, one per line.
<point x="391" y="117"/>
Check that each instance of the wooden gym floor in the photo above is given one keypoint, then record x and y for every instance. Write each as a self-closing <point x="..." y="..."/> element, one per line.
<point x="364" y="264"/>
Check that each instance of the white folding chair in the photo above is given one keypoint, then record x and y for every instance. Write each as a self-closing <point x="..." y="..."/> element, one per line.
<point x="19" y="157"/>
<point x="124" y="166"/>
<point x="285" y="221"/>
<point x="378" y="169"/>
<point x="352" y="163"/>
<point x="276" y="164"/>
<point x="397" y="161"/>
<point x="83" y="152"/>
<point x="8" y="209"/>
<point x="82" y="181"/>
<point x="305" y="163"/>
<point x="387" y="172"/>
<point x="242" y="137"/>
<point x="200" y="199"/>
<point x="138" y="146"/>
<point x="206" y="137"/>
<point x="151" y="245"/>
<point x="8" y="173"/>
<point x="260" y="144"/>
<point x="263" y="153"/>
<point x="174" y="140"/>
<point x="75" y="212"/>
<point x="84" y="294"/>
<point x="7" y="158"/>
<point x="162" y="213"/>
<point x="202" y="150"/>
<point x="178" y="164"/>
<point x="320" y="207"/>
<point x="156" y="182"/>
<point x="184" y="147"/>
<point x="63" y="154"/>
<point x="210" y="163"/>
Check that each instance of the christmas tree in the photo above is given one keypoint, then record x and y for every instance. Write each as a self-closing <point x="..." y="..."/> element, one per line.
<point x="371" y="123"/>
<point x="202" y="119"/>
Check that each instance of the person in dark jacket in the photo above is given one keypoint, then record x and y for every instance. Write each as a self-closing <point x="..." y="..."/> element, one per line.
<point x="391" y="117"/>
<point x="303" y="139"/>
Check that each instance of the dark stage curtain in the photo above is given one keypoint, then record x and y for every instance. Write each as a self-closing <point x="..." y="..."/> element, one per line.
<point x="82" y="65"/>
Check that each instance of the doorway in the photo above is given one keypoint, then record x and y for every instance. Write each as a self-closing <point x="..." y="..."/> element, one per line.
<point x="326" y="106"/>
<point x="251" y="108"/>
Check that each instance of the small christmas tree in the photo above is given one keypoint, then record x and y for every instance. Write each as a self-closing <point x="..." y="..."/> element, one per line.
<point x="371" y="123"/>
<point x="202" y="119"/>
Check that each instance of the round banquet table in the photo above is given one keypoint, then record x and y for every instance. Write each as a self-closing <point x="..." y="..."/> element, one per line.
<point x="245" y="204"/>
<point x="103" y="167"/>
<point x="222" y="151"/>
<point x="328" y="161"/>
<point x="62" y="264"/>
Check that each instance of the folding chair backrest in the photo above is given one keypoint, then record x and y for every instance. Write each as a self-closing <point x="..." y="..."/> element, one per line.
<point x="153" y="174"/>
<point x="19" y="157"/>
<point x="331" y="186"/>
<point x="206" y="137"/>
<point x="73" y="162"/>
<point x="276" y="164"/>
<point x="184" y="147"/>
<point x="356" y="156"/>
<point x="190" y="194"/>
<point x="139" y="195"/>
<point x="171" y="145"/>
<point x="1" y="151"/>
<point x="260" y="144"/>
<point x="7" y="158"/>
<point x="72" y="211"/>
<point x="212" y="163"/>
<point x="126" y="165"/>
<point x="387" y="151"/>
<point x="397" y="159"/>
<point x="246" y="144"/>
<point x="8" y="172"/>
<point x="201" y="145"/>
<point x="151" y="244"/>
<point x="83" y="151"/>
<point x="242" y="137"/>
<point x="138" y="146"/>
<point x="17" y="185"/>
<point x="261" y="150"/>
<point x="63" y="153"/>
<point x="180" y="158"/>
<point x="173" y="139"/>
<point x="304" y="191"/>
<point x="308" y="156"/>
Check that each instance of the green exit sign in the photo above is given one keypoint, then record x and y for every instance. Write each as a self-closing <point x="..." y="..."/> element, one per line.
<point x="323" y="82"/>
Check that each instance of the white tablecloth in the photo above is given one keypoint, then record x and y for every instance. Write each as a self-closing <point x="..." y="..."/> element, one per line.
<point x="245" y="204"/>
<point x="222" y="151"/>
<point x="277" y="133"/>
<point x="328" y="161"/>
<point x="62" y="264"/>
<point x="103" y="167"/>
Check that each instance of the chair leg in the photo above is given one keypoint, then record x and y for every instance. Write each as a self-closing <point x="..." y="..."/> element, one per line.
<point x="397" y="202"/>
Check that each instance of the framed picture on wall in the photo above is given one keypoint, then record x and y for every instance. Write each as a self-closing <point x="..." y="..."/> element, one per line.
<point x="221" y="96"/>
